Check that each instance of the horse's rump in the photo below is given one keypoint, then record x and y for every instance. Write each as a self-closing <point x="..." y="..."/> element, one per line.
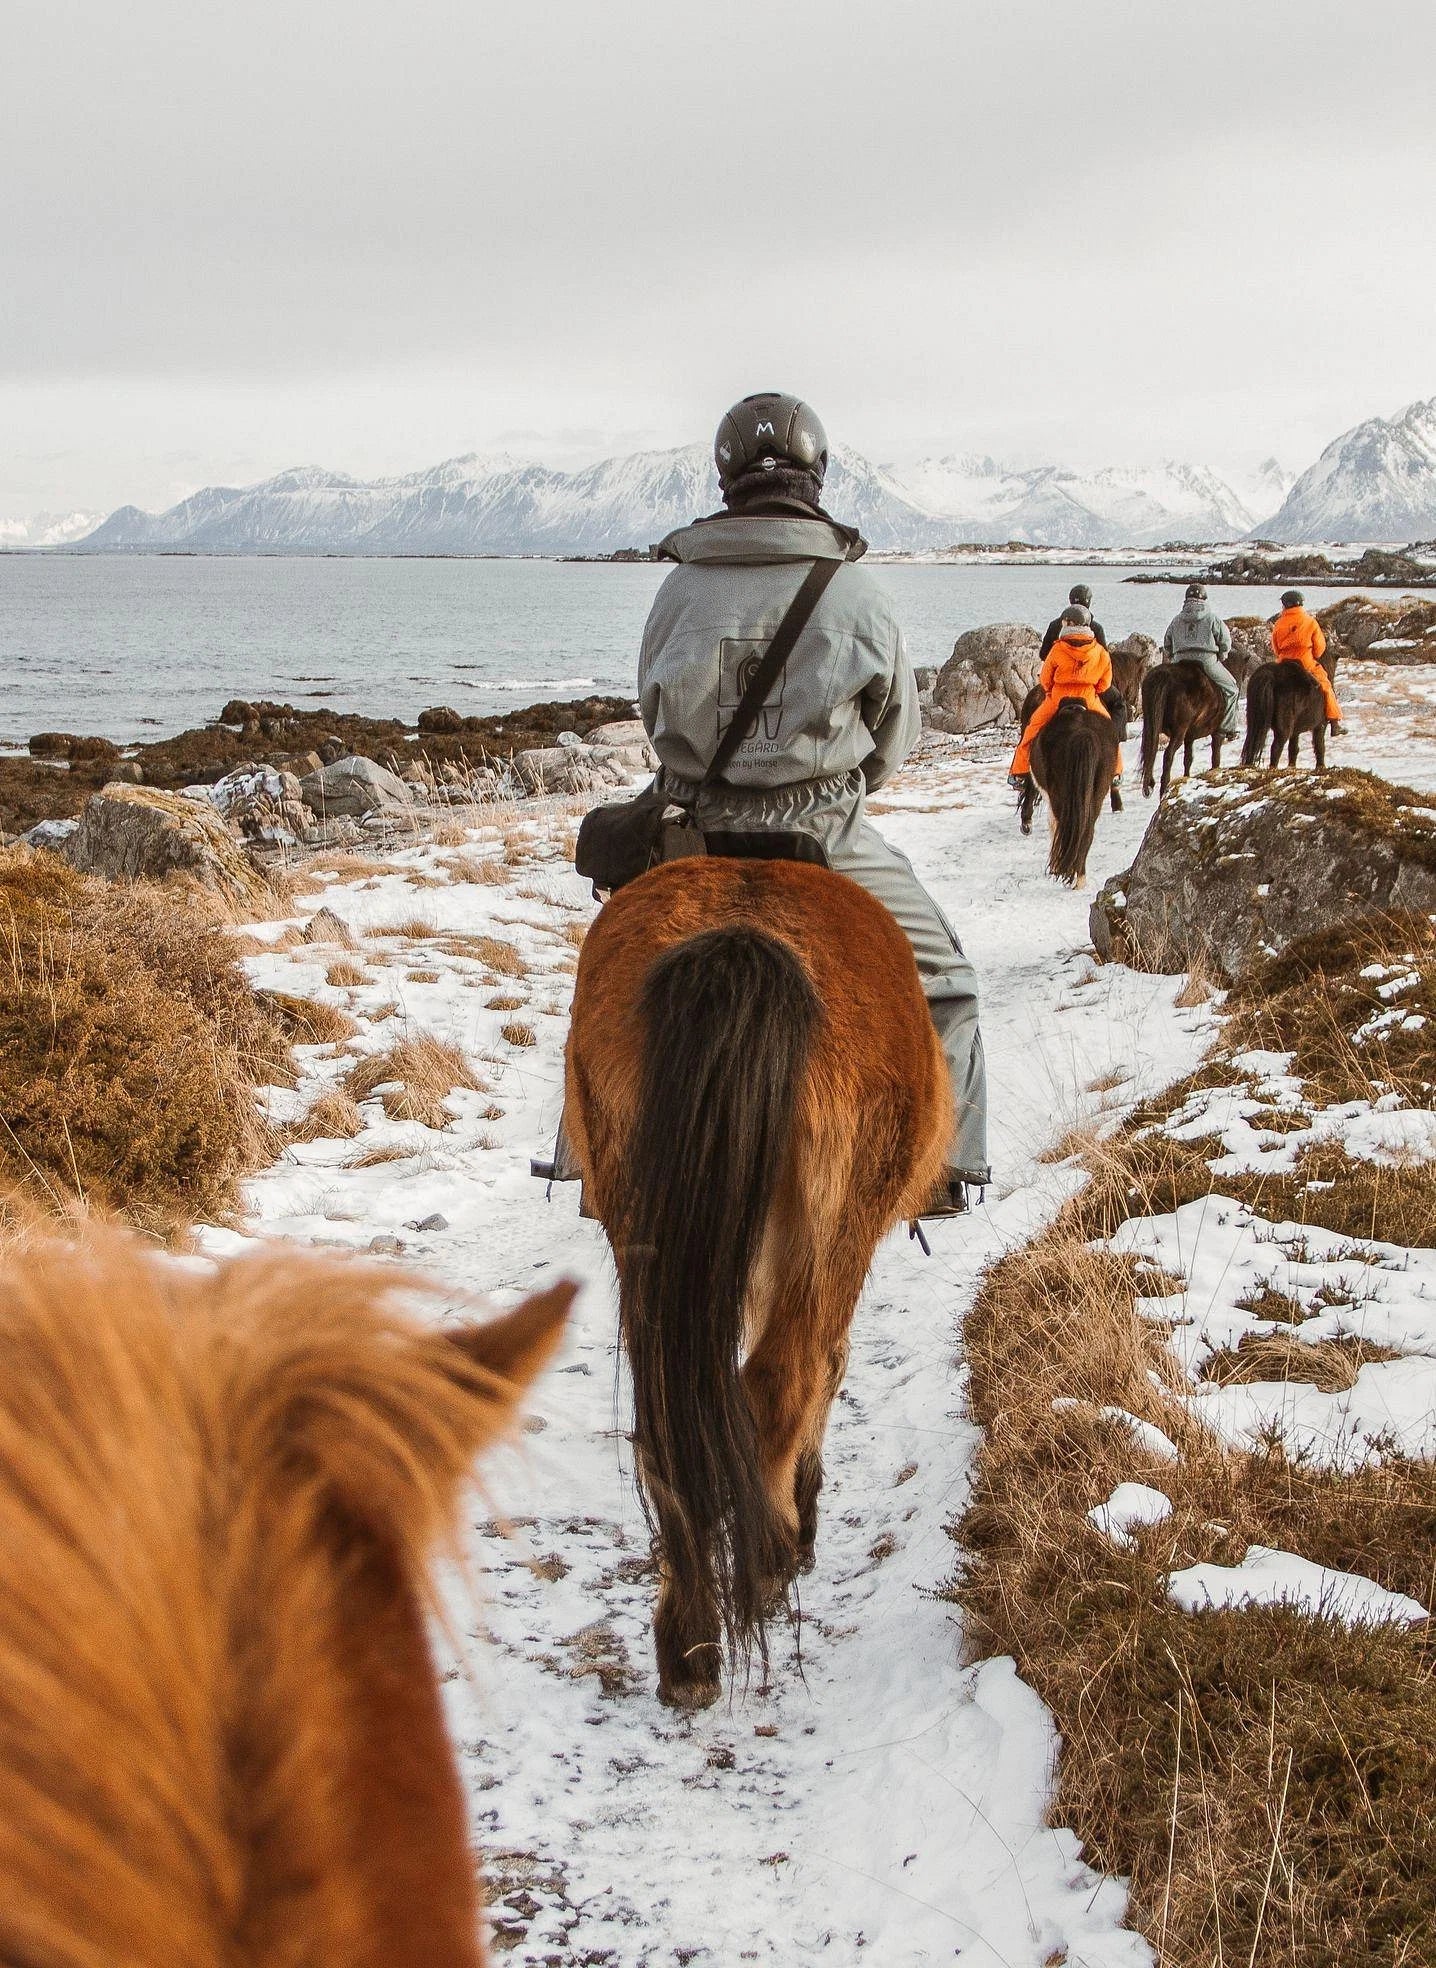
<point x="755" y="1094"/>
<point x="1074" y="760"/>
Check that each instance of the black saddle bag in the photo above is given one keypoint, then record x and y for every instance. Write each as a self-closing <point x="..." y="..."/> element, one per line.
<point x="623" y="839"/>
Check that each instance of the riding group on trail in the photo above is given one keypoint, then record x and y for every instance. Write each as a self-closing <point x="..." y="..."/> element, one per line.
<point x="1074" y="718"/>
<point x="221" y="1735"/>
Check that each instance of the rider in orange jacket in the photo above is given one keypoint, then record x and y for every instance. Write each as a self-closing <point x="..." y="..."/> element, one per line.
<point x="1296" y="637"/>
<point x="1078" y="666"/>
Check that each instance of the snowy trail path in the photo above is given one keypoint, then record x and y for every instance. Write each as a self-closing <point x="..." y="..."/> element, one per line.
<point x="883" y="1797"/>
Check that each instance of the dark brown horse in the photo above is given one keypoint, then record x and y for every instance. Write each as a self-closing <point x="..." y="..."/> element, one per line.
<point x="756" y="1095"/>
<point x="221" y="1735"/>
<point x="1129" y="666"/>
<point x="1282" y="702"/>
<point x="1181" y="704"/>
<point x="1074" y="762"/>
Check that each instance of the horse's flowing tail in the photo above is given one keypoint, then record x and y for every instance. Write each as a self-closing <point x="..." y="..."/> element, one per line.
<point x="1261" y="712"/>
<point x="1080" y="764"/>
<point x="729" y="1018"/>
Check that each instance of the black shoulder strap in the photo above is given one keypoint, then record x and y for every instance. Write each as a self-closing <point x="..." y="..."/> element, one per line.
<point x="745" y="718"/>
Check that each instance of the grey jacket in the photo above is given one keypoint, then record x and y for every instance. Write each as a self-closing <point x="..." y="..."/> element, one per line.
<point x="1197" y="631"/>
<point x="846" y="699"/>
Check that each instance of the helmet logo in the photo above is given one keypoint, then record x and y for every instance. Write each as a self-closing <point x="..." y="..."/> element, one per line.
<point x="763" y="428"/>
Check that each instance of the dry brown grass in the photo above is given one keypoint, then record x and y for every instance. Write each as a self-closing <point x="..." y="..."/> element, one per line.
<point x="414" y="928"/>
<point x="501" y="956"/>
<point x="504" y="1001"/>
<point x="421" y="976"/>
<point x="310" y="1021"/>
<point x="344" y="971"/>
<point x="130" y="1048"/>
<point x="332" y="1117"/>
<point x="517" y="1033"/>
<point x="1267" y="1779"/>
<point x="485" y="870"/>
<point x="426" y="1069"/>
<point x="1330" y="1364"/>
<point x="376" y="1157"/>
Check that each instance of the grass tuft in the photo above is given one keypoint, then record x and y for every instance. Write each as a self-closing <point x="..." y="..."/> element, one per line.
<point x="426" y="1071"/>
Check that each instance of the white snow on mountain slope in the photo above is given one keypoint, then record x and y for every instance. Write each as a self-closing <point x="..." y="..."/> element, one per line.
<point x="47" y="529"/>
<point x="493" y="505"/>
<point x="1376" y="482"/>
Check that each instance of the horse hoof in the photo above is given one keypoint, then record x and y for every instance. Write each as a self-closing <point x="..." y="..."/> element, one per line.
<point x="689" y="1696"/>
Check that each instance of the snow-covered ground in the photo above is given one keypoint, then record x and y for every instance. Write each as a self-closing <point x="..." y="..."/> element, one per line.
<point x="874" y="1793"/>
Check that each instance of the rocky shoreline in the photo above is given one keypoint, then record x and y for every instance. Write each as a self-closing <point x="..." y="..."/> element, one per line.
<point x="1377" y="567"/>
<point x="442" y="759"/>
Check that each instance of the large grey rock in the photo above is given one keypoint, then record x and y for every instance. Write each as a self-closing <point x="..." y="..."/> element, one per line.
<point x="1235" y="866"/>
<point x="264" y="804"/>
<point x="624" y="743"/>
<point x="134" y="833"/>
<point x="565" y="769"/>
<point x="986" y="677"/>
<point x="353" y="788"/>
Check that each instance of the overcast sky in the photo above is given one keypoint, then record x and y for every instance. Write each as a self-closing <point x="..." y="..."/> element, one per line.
<point x="373" y="235"/>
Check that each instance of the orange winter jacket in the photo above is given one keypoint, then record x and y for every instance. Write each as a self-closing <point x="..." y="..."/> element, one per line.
<point x="1078" y="666"/>
<point x="1295" y="636"/>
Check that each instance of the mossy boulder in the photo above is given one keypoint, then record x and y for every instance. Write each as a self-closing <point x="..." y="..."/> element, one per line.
<point x="1237" y="866"/>
<point x="1402" y="631"/>
<point x="134" y="833"/>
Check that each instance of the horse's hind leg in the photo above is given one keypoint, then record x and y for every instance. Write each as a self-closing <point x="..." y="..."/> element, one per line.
<point x="1318" y="744"/>
<point x="1168" y="760"/>
<point x="793" y="1374"/>
<point x="1275" y="749"/>
<point x="1292" y="745"/>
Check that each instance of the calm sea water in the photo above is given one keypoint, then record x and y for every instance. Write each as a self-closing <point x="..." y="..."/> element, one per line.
<point x="139" y="648"/>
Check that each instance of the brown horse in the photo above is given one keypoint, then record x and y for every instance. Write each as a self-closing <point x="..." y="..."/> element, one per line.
<point x="1181" y="704"/>
<point x="221" y="1739"/>
<point x="1129" y="666"/>
<point x="756" y="1095"/>
<point x="1074" y="762"/>
<point x="1283" y="701"/>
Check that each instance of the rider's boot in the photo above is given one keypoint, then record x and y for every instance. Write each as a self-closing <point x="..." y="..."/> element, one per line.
<point x="956" y="1192"/>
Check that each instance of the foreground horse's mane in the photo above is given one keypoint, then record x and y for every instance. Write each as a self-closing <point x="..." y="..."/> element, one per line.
<point x="219" y="1492"/>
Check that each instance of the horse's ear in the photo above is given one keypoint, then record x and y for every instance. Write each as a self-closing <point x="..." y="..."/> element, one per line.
<point x="518" y="1346"/>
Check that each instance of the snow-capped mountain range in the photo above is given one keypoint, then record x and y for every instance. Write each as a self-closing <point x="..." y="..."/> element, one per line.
<point x="48" y="529"/>
<point x="1374" y="483"/>
<point x="496" y="506"/>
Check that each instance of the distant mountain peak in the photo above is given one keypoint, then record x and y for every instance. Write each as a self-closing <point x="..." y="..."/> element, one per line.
<point x="1376" y="482"/>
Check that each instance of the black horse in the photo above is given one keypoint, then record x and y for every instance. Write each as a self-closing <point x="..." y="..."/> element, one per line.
<point x="1181" y="704"/>
<point x="1283" y="701"/>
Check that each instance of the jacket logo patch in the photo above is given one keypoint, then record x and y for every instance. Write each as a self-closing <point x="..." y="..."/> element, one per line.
<point x="738" y="659"/>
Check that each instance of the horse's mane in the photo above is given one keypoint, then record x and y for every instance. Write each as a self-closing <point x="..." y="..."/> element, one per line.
<point x="192" y="1462"/>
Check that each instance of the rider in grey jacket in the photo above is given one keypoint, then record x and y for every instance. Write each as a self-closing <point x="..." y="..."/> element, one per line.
<point x="838" y="723"/>
<point x="1197" y="634"/>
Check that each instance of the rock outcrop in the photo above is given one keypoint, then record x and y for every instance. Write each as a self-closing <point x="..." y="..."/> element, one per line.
<point x="1236" y="866"/>
<point x="353" y="788"/>
<point x="1251" y="645"/>
<point x="985" y="679"/>
<point x="133" y="833"/>
<point x="1402" y="631"/>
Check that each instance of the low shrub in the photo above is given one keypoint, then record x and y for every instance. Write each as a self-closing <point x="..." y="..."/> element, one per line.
<point x="130" y="1048"/>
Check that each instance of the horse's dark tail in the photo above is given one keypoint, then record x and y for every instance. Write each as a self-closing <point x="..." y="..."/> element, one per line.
<point x="1154" y="703"/>
<point x="729" y="1018"/>
<point x="1080" y="756"/>
<point x="1261" y="712"/>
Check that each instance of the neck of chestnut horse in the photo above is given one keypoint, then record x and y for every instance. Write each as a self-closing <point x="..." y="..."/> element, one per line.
<point x="412" y="1863"/>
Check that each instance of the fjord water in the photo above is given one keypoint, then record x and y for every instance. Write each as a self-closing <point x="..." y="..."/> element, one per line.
<point x="136" y="647"/>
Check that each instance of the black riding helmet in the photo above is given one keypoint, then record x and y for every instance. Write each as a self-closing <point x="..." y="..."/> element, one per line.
<point x="767" y="431"/>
